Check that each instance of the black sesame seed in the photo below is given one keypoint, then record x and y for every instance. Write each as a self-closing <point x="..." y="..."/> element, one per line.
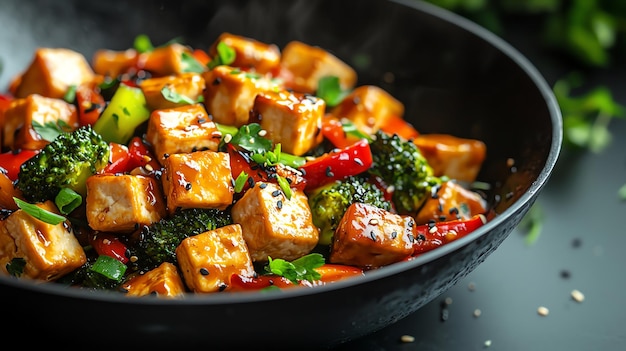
<point x="263" y="185"/>
<point x="329" y="172"/>
<point x="251" y="182"/>
<point x="373" y="235"/>
<point x="201" y="120"/>
<point x="453" y="210"/>
<point x="204" y="271"/>
<point x="442" y="218"/>
<point x="394" y="234"/>
<point x="217" y="81"/>
<point x="188" y="186"/>
<point x="276" y="193"/>
<point x="565" y="274"/>
<point x="421" y="237"/>
<point x="222" y="287"/>
<point x="279" y="204"/>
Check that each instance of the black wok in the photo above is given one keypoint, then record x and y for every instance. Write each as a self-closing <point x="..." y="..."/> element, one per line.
<point x="453" y="76"/>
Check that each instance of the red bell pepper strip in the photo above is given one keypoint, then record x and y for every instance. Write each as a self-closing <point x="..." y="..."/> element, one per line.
<point x="429" y="237"/>
<point x="11" y="161"/>
<point x="338" y="164"/>
<point x="332" y="129"/>
<point x="126" y="158"/>
<point x="329" y="273"/>
<point x="5" y="101"/>
<point x="109" y="245"/>
<point x="90" y="105"/>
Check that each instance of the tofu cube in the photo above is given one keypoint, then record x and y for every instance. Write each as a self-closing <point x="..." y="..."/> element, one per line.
<point x="189" y="86"/>
<point x="274" y="226"/>
<point x="165" y="60"/>
<point x="50" y="251"/>
<point x="371" y="237"/>
<point x="457" y="158"/>
<point x="114" y="63"/>
<point x="19" y="117"/>
<point x="250" y="54"/>
<point x="230" y="92"/>
<point x="52" y="72"/>
<point x="200" y="179"/>
<point x="293" y="120"/>
<point x="181" y="129"/>
<point x="303" y="65"/>
<point x="451" y="201"/>
<point x="118" y="203"/>
<point x="368" y="108"/>
<point x="208" y="260"/>
<point x="164" y="281"/>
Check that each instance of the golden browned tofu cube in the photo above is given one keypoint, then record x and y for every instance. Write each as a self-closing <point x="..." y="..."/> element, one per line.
<point x="293" y="120"/>
<point x="50" y="251"/>
<point x="306" y="65"/>
<point x="208" y="260"/>
<point x="370" y="237"/>
<point x="457" y="158"/>
<point x="118" y="203"/>
<point x="18" y="131"/>
<point x="230" y="92"/>
<point x="451" y="201"/>
<point x="165" y="60"/>
<point x="200" y="179"/>
<point x="188" y="87"/>
<point x="52" y="72"/>
<point x="250" y="54"/>
<point x="114" y="63"/>
<point x="164" y="281"/>
<point x="368" y="107"/>
<point x="274" y="226"/>
<point x="181" y="130"/>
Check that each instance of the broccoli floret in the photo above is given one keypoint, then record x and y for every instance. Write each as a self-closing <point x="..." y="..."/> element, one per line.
<point x="87" y="278"/>
<point x="329" y="203"/>
<point x="66" y="162"/>
<point x="157" y="242"/>
<point x="400" y="164"/>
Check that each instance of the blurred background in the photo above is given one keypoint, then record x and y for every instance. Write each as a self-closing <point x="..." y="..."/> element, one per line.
<point x="557" y="281"/>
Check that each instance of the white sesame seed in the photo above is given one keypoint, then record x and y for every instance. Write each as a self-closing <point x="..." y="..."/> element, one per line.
<point x="228" y="138"/>
<point x="471" y="286"/>
<point x="487" y="343"/>
<point x="448" y="301"/>
<point x="262" y="132"/>
<point x="373" y="221"/>
<point x="543" y="311"/>
<point x="433" y="229"/>
<point x="577" y="295"/>
<point x="477" y="313"/>
<point x="407" y="338"/>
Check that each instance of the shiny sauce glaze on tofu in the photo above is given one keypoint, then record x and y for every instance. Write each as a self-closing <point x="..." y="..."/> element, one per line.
<point x="235" y="165"/>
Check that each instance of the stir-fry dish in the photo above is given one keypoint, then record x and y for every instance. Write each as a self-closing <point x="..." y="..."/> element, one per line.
<point x="168" y="170"/>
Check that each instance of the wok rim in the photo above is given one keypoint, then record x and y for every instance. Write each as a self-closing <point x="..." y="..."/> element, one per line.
<point x="233" y="298"/>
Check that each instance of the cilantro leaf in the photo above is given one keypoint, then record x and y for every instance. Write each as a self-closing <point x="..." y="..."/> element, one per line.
<point x="50" y="130"/>
<point x="302" y="268"/>
<point x="329" y="90"/>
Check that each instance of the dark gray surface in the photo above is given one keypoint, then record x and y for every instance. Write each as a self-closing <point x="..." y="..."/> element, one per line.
<point x="583" y="235"/>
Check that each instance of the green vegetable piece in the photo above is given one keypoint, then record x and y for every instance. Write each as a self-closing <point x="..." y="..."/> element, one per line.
<point x="67" y="200"/>
<point x="143" y="43"/>
<point x="171" y="95"/>
<point x="330" y="90"/>
<point x="126" y="111"/>
<point x="39" y="213"/>
<point x="190" y="64"/>
<point x="225" y="56"/>
<point x="240" y="182"/>
<point x="70" y="94"/>
<point x="51" y="130"/>
<point x="109" y="267"/>
<point x="15" y="267"/>
<point x="299" y="269"/>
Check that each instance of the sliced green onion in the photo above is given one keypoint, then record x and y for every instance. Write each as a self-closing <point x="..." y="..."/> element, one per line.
<point x="225" y="56"/>
<point x="190" y="64"/>
<point x="67" y="200"/>
<point x="241" y="180"/>
<point x="109" y="267"/>
<point x="70" y="94"/>
<point x="143" y="44"/>
<point x="38" y="212"/>
<point x="284" y="186"/>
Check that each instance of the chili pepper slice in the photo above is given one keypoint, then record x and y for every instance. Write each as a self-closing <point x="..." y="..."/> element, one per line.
<point x="11" y="161"/>
<point x="338" y="164"/>
<point x="126" y="158"/>
<point x="109" y="245"/>
<point x="432" y="236"/>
